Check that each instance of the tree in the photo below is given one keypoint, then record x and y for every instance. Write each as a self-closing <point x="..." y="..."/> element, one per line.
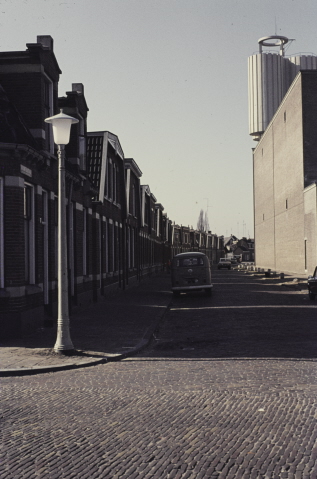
<point x="203" y="222"/>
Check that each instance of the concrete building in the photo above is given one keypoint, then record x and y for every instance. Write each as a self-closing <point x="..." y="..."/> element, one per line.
<point x="285" y="177"/>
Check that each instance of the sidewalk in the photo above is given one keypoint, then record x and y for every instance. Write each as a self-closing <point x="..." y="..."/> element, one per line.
<point x="113" y="328"/>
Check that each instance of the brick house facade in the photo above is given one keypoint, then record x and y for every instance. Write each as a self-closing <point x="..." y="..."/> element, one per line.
<point x="117" y="231"/>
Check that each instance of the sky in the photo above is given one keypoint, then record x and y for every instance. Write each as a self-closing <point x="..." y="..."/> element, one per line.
<point x="169" y="78"/>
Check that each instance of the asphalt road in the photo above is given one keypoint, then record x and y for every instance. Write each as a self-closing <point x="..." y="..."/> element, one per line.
<point x="227" y="389"/>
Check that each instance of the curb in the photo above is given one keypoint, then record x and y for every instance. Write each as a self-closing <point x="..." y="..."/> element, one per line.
<point x="50" y="368"/>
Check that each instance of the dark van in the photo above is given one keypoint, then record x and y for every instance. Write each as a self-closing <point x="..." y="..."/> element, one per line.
<point x="191" y="272"/>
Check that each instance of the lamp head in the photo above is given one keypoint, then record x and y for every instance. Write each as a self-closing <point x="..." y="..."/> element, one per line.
<point x="61" y="124"/>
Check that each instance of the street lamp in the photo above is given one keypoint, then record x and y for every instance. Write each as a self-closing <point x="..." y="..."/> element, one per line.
<point x="61" y="124"/>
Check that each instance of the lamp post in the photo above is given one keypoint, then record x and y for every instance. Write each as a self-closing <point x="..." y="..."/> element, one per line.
<point x="61" y="124"/>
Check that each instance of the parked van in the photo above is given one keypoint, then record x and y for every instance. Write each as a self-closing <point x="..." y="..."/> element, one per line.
<point x="190" y="272"/>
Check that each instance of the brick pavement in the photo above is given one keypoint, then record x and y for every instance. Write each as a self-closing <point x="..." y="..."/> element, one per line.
<point x="181" y="408"/>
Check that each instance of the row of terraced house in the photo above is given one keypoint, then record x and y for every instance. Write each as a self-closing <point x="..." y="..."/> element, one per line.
<point x="117" y="231"/>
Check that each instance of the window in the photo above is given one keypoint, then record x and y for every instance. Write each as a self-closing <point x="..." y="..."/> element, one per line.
<point x="107" y="179"/>
<point x="106" y="240"/>
<point x="190" y="262"/>
<point x="116" y="247"/>
<point x="114" y="184"/>
<point x="45" y="244"/>
<point x="110" y="173"/>
<point x="133" y="210"/>
<point x="71" y="253"/>
<point x="100" y="237"/>
<point x="129" y="246"/>
<point x="56" y="234"/>
<point x="152" y="219"/>
<point x="132" y="247"/>
<point x="29" y="252"/>
<point x="110" y="247"/>
<point x="84" y="241"/>
<point x="147" y="211"/>
<point x="1" y="236"/>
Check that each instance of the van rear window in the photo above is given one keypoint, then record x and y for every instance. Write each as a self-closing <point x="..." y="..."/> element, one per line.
<point x="185" y="262"/>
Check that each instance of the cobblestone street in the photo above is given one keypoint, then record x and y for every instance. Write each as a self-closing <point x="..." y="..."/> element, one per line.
<point x="226" y="389"/>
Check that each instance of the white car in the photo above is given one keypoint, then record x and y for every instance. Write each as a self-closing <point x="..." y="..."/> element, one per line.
<point x="224" y="263"/>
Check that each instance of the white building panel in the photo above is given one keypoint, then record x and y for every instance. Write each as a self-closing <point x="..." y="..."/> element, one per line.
<point x="269" y="77"/>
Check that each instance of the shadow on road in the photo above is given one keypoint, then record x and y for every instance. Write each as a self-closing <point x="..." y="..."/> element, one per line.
<point x="245" y="318"/>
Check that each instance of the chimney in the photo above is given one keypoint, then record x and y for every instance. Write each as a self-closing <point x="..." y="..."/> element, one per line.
<point x="78" y="87"/>
<point x="46" y="40"/>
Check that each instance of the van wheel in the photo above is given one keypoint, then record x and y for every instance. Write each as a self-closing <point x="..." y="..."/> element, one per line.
<point x="208" y="292"/>
<point x="176" y="293"/>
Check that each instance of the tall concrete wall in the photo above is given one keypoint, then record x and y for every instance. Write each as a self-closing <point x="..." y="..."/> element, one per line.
<point x="285" y="217"/>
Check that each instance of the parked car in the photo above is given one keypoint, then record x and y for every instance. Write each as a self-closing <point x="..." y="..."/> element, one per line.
<point x="191" y="272"/>
<point x="312" y="285"/>
<point x="224" y="263"/>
